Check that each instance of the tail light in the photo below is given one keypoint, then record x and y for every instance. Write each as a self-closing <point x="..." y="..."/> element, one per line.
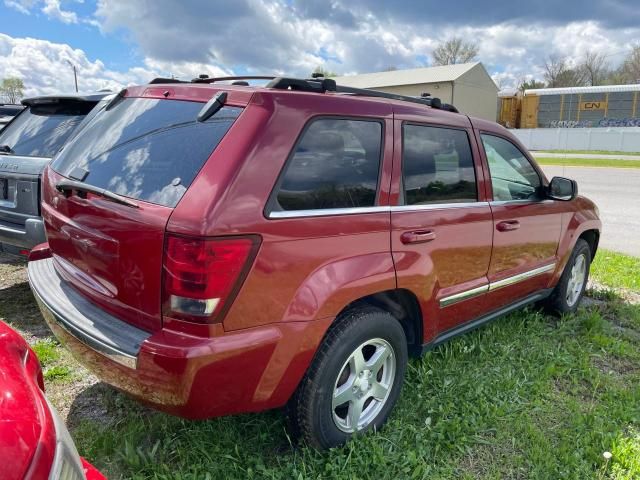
<point x="203" y="275"/>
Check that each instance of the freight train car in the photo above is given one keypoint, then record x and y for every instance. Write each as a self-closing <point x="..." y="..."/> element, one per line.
<point x="573" y="107"/>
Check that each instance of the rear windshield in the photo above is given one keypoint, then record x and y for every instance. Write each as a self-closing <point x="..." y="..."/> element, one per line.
<point x="40" y="131"/>
<point x="146" y="149"/>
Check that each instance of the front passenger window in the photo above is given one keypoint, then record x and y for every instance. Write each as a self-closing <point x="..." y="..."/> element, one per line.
<point x="512" y="176"/>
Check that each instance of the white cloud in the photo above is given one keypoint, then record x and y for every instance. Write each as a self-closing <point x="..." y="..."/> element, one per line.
<point x="53" y="10"/>
<point x="44" y="69"/>
<point x="23" y="6"/>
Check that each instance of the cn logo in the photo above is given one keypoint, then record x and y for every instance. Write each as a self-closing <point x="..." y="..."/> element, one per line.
<point x="592" y="105"/>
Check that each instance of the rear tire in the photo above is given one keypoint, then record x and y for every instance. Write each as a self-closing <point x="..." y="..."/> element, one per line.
<point x="567" y="294"/>
<point x="354" y="380"/>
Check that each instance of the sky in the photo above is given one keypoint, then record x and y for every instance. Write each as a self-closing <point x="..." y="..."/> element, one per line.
<point x="114" y="43"/>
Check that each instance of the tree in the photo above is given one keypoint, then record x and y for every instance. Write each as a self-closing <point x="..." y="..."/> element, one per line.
<point x="12" y="89"/>
<point x="530" y="84"/>
<point x="559" y="74"/>
<point x="630" y="70"/>
<point x="324" y="72"/>
<point x="595" y="69"/>
<point x="454" y="51"/>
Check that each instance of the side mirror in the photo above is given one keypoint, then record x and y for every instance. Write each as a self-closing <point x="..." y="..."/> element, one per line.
<point x="561" y="188"/>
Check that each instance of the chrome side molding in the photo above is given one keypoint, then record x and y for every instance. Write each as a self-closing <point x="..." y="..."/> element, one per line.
<point x="489" y="287"/>
<point x="467" y="294"/>
<point x="521" y="277"/>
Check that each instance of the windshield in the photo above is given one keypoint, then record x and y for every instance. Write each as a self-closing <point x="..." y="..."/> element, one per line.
<point x="146" y="149"/>
<point x="40" y="131"/>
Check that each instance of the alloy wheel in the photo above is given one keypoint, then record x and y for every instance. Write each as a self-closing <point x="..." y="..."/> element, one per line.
<point x="363" y="385"/>
<point x="576" y="279"/>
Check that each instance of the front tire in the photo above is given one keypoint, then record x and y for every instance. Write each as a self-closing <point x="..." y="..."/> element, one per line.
<point x="567" y="294"/>
<point x="353" y="382"/>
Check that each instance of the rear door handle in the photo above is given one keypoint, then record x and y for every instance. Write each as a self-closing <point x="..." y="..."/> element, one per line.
<point x="418" y="236"/>
<point x="508" y="225"/>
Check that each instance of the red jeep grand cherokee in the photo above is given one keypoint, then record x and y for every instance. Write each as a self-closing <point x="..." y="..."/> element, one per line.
<point x="217" y="248"/>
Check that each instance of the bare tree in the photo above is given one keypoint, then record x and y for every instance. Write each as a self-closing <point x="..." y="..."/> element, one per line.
<point x="559" y="74"/>
<point x="12" y="89"/>
<point x="595" y="68"/>
<point x="630" y="69"/>
<point x="454" y="51"/>
<point x="553" y="68"/>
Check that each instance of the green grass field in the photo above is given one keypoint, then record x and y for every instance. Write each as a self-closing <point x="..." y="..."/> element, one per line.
<point x="594" y="152"/>
<point x="529" y="396"/>
<point x="588" y="162"/>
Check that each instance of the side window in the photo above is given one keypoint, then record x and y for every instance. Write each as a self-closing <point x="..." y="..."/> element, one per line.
<point x="437" y="166"/>
<point x="335" y="164"/>
<point x="512" y="176"/>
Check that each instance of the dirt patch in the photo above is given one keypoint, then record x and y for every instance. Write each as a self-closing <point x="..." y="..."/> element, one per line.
<point x="615" y="366"/>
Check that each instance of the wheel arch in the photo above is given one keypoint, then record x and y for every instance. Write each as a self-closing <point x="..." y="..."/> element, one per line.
<point x="401" y="304"/>
<point x="592" y="237"/>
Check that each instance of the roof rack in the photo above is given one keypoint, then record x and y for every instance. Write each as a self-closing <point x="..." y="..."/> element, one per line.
<point x="207" y="79"/>
<point x="318" y="84"/>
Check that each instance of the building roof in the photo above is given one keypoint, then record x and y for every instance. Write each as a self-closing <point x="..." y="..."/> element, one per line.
<point x="508" y="92"/>
<point x="577" y="90"/>
<point x="446" y="73"/>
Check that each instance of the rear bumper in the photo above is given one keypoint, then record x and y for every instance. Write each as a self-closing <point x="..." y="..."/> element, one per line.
<point x="14" y="238"/>
<point x="194" y="377"/>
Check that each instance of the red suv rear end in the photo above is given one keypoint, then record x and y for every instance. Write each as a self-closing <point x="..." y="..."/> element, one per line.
<point x="215" y="249"/>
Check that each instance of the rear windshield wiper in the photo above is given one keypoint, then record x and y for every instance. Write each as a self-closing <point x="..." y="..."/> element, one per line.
<point x="70" y="185"/>
<point x="5" y="149"/>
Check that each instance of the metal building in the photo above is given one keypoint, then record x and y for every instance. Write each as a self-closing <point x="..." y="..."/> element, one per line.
<point x="468" y="86"/>
<point x="581" y="107"/>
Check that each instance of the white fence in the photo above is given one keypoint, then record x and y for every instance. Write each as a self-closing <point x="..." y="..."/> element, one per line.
<point x="622" y="139"/>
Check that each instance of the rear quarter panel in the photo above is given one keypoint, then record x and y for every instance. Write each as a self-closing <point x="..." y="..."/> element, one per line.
<point x="307" y="268"/>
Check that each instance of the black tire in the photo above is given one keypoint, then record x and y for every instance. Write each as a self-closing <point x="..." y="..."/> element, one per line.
<point x="310" y="411"/>
<point x="557" y="302"/>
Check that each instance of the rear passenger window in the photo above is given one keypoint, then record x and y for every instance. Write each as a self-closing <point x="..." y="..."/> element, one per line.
<point x="334" y="165"/>
<point x="437" y="166"/>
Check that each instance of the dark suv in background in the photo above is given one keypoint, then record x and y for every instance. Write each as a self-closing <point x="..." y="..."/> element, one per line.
<point x="27" y="144"/>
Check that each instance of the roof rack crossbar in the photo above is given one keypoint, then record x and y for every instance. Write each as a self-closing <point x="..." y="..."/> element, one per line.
<point x="431" y="102"/>
<point x="203" y="79"/>
<point x="319" y="85"/>
<point x="165" y="80"/>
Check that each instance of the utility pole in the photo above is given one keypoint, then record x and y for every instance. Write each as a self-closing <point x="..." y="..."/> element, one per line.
<point x="75" y="73"/>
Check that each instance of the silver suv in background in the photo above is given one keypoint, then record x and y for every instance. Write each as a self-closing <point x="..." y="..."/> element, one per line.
<point x="27" y="144"/>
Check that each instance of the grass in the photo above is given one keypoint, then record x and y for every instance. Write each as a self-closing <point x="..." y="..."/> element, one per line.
<point x="617" y="270"/>
<point x="588" y="162"/>
<point x="528" y="396"/>
<point x="592" y="152"/>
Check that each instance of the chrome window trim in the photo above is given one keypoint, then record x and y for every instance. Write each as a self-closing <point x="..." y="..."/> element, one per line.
<point x="518" y="202"/>
<point x="521" y="277"/>
<point x="438" y="206"/>
<point x="325" y="212"/>
<point x="467" y="294"/>
<point x="489" y="287"/>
